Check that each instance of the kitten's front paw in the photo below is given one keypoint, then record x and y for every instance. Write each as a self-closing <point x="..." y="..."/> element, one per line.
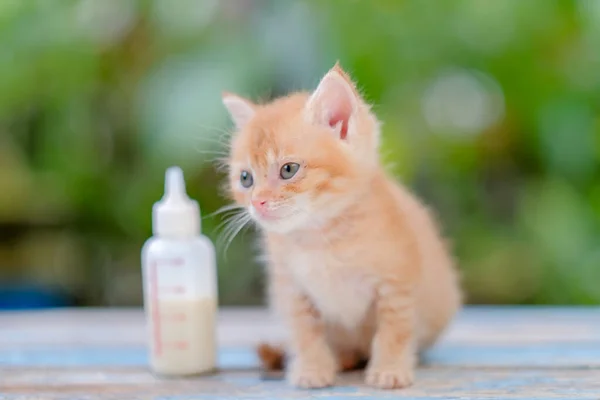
<point x="392" y="377"/>
<point x="311" y="375"/>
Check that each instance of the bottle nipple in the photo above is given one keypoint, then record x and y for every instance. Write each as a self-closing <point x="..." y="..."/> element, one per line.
<point x="174" y="185"/>
<point x="175" y="214"/>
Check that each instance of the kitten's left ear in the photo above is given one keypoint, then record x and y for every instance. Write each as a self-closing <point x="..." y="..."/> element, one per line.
<point x="240" y="109"/>
<point x="334" y="102"/>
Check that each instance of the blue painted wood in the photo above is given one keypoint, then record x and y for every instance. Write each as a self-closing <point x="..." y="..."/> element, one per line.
<point x="228" y="358"/>
<point x="553" y="354"/>
<point x="529" y="355"/>
<point x="579" y="355"/>
<point x="431" y="384"/>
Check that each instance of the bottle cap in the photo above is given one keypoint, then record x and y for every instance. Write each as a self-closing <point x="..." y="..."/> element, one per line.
<point x="175" y="214"/>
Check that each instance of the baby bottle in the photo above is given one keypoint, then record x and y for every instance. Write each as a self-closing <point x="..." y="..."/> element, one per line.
<point x="180" y="287"/>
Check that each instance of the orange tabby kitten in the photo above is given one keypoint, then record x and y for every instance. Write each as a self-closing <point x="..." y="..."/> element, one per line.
<point x="356" y="266"/>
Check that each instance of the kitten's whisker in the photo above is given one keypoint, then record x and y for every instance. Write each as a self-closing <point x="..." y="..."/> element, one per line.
<point x="221" y="131"/>
<point x="216" y="154"/>
<point x="229" y="220"/>
<point x="226" y="215"/>
<point x="213" y="132"/>
<point x="237" y="230"/>
<point x="221" y="164"/>
<point x="223" y="145"/>
<point x="225" y="209"/>
<point x="210" y="141"/>
<point x="213" y="152"/>
<point x="214" y="157"/>
<point x="232" y="227"/>
<point x="281" y="205"/>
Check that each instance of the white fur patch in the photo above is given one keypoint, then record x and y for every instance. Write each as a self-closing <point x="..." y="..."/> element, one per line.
<point x="339" y="296"/>
<point x="271" y="159"/>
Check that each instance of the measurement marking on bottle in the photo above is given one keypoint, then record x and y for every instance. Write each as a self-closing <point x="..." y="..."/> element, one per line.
<point x="155" y="310"/>
<point x="182" y="345"/>
<point x="178" y="345"/>
<point x="177" y="289"/>
<point x="172" y="262"/>
<point x="177" y="262"/>
<point x="177" y="317"/>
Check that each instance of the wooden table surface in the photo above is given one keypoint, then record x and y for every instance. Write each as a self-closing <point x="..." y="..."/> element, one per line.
<point x="489" y="352"/>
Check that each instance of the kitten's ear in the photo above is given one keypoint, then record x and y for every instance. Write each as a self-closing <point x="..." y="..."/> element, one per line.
<point x="333" y="102"/>
<point x="240" y="109"/>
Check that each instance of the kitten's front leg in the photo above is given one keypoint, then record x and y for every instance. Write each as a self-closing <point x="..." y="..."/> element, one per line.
<point x="393" y="353"/>
<point x="313" y="364"/>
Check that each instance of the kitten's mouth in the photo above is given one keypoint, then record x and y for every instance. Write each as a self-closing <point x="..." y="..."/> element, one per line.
<point x="279" y="220"/>
<point x="264" y="215"/>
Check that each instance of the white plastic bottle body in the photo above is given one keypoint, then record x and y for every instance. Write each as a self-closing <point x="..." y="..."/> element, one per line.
<point x="180" y="301"/>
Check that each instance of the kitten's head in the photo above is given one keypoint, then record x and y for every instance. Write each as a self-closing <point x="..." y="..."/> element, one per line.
<point x="301" y="159"/>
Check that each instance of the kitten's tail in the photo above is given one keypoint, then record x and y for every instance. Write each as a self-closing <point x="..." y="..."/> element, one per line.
<point x="272" y="357"/>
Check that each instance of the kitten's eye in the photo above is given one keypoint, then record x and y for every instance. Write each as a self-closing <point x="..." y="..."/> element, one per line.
<point x="289" y="170"/>
<point x="246" y="179"/>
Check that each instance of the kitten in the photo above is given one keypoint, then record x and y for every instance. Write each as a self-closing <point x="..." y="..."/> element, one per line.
<point x="357" y="268"/>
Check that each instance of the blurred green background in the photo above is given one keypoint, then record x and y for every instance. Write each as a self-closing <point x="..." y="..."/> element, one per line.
<point x="491" y="110"/>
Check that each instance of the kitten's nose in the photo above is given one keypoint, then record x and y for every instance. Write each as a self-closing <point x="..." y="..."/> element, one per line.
<point x="259" y="204"/>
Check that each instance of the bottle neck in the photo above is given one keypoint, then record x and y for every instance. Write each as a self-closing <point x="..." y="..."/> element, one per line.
<point x="176" y="235"/>
<point x="175" y="223"/>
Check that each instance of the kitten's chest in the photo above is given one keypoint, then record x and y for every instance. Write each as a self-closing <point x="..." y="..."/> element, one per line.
<point x="337" y="288"/>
